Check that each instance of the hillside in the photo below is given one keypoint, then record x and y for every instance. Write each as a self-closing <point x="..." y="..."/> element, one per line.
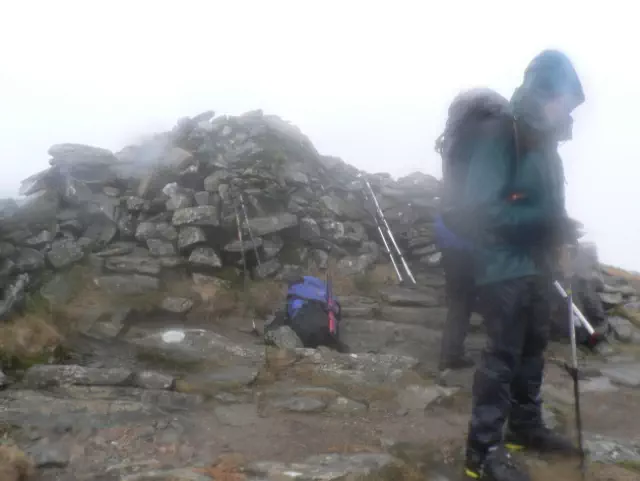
<point x="128" y="326"/>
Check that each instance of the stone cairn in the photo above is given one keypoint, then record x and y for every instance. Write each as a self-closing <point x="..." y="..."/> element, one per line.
<point x="169" y="203"/>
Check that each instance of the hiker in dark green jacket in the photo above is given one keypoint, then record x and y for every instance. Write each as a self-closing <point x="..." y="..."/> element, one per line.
<point x="520" y="224"/>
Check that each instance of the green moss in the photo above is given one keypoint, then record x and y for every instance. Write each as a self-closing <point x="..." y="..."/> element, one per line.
<point x="144" y="302"/>
<point x="7" y="432"/>
<point x="364" y="284"/>
<point x="630" y="465"/>
<point x="46" y="276"/>
<point x="13" y="364"/>
<point x="290" y="253"/>
<point x="79" y="275"/>
<point x="32" y="336"/>
<point x="631" y="315"/>
<point x="36" y="304"/>
<point x="230" y="274"/>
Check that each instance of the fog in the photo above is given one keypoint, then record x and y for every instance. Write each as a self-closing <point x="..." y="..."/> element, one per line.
<point x="367" y="81"/>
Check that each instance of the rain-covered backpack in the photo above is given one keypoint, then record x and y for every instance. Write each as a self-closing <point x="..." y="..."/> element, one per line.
<point x="472" y="114"/>
<point x="313" y="312"/>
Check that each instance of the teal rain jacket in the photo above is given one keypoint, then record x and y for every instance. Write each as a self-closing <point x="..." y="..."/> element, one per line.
<point x="520" y="215"/>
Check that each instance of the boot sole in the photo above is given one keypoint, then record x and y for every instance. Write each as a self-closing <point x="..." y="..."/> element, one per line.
<point x="471" y="474"/>
<point x="514" y="448"/>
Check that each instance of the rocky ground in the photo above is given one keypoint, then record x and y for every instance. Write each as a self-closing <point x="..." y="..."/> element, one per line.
<point x="176" y="401"/>
<point x="127" y="343"/>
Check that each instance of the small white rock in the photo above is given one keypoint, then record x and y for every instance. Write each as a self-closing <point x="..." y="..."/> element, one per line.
<point x="173" y="336"/>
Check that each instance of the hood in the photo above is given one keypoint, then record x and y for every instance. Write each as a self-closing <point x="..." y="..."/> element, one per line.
<point x="550" y="74"/>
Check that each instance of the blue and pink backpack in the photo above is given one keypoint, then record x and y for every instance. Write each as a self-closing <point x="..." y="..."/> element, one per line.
<point x="313" y="312"/>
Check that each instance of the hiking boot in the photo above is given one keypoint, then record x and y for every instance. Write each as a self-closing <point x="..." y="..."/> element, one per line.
<point x="497" y="465"/>
<point x="457" y="363"/>
<point x="541" y="439"/>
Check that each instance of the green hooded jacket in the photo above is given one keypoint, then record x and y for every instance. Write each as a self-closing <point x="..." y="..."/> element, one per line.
<point x="519" y="215"/>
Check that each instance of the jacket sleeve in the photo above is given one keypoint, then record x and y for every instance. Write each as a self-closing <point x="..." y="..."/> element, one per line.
<point x="488" y="196"/>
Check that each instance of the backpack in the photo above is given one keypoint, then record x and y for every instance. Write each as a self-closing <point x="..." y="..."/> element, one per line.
<point x="313" y="312"/>
<point x="470" y="116"/>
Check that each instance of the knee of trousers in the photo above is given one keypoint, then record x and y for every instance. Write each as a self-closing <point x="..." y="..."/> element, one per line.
<point x="499" y="364"/>
<point x="531" y="368"/>
<point x="492" y="382"/>
<point x="535" y="346"/>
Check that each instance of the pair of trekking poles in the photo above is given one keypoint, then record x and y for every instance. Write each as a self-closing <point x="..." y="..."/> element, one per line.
<point x="383" y="227"/>
<point x="240" y="223"/>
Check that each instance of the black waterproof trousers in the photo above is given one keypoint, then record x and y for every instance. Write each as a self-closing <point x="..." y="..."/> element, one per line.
<point x="461" y="293"/>
<point x="508" y="380"/>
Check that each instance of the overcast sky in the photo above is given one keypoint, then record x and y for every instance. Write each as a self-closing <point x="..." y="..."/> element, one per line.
<point x="368" y="81"/>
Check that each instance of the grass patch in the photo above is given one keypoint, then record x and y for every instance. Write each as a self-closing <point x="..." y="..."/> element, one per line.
<point x="263" y="298"/>
<point x="217" y="300"/>
<point x="38" y="332"/>
<point x="6" y="432"/>
<point x="363" y="284"/>
<point x="15" y="465"/>
<point x="629" y="276"/>
<point x="367" y="284"/>
<point x="290" y="253"/>
<point x="224" y="299"/>
<point x="630" y="465"/>
<point x="29" y="339"/>
<point x="144" y="302"/>
<point x="632" y="315"/>
<point x="230" y="274"/>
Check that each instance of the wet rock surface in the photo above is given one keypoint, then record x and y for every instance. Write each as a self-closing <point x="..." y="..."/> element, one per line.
<point x="161" y="393"/>
<point x="397" y="296"/>
<point x="52" y="375"/>
<point x="625" y="375"/>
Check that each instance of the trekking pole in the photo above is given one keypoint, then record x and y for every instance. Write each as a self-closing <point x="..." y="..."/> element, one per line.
<point x="577" y="318"/>
<point x="244" y="264"/>
<point x="246" y="219"/>
<point x="391" y="237"/>
<point x="386" y="244"/>
<point x="573" y="372"/>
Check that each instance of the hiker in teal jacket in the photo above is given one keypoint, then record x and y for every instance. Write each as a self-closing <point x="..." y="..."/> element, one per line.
<point x="514" y="197"/>
<point x="522" y="218"/>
